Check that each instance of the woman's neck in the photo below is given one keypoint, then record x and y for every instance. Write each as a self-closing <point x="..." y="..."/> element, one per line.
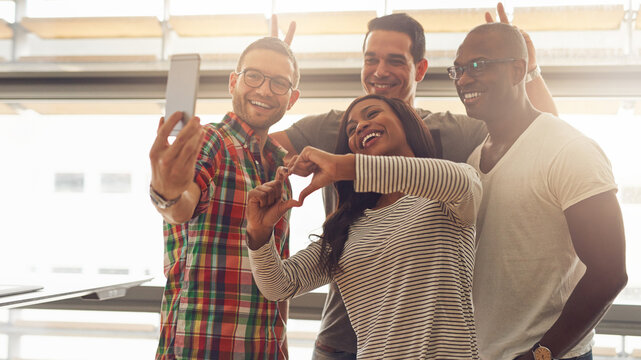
<point x="387" y="199"/>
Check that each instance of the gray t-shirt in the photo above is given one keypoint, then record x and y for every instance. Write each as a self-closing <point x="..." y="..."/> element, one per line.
<point x="455" y="137"/>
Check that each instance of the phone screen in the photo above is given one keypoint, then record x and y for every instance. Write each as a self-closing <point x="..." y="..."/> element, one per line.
<point x="182" y="87"/>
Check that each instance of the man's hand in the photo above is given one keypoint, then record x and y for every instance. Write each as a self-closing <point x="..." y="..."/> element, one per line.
<point x="290" y="32"/>
<point x="173" y="165"/>
<point x="531" y="52"/>
<point x="265" y="206"/>
<point x="327" y="168"/>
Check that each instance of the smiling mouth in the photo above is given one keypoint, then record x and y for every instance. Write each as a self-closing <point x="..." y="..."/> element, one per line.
<point x="369" y="137"/>
<point x="471" y="96"/>
<point x="382" y="86"/>
<point x="261" y="104"/>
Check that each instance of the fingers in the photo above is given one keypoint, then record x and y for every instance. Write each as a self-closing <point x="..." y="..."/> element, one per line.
<point x="306" y="191"/>
<point x="190" y="151"/>
<point x="274" y="26"/>
<point x="502" y="15"/>
<point x="282" y="173"/>
<point x="310" y="160"/>
<point x="285" y="206"/>
<point x="290" y="33"/>
<point x="302" y="167"/>
<point x="158" y="143"/>
<point x="292" y="161"/>
<point x="160" y="123"/>
<point x="267" y="194"/>
<point x="163" y="131"/>
<point x="488" y="17"/>
<point x="186" y="143"/>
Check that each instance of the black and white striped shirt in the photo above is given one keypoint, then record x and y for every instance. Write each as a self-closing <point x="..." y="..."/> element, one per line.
<point x="406" y="269"/>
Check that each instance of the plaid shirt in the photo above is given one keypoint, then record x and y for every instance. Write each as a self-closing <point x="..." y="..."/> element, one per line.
<point x="211" y="308"/>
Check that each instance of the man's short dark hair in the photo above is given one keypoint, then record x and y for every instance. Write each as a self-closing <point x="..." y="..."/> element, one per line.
<point x="402" y="23"/>
<point x="274" y="44"/>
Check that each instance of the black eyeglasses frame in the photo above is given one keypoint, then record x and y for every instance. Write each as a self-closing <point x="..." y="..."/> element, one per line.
<point x="473" y="67"/>
<point x="271" y="78"/>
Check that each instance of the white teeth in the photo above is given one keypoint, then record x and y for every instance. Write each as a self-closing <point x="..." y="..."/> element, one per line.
<point x="382" y="86"/>
<point x="369" y="136"/>
<point x="261" y="104"/>
<point x="471" y="95"/>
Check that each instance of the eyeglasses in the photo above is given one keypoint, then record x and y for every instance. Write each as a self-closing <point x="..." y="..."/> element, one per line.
<point x="473" y="68"/>
<point x="254" y="78"/>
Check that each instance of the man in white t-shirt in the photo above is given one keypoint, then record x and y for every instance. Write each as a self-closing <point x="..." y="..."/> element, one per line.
<point x="550" y="243"/>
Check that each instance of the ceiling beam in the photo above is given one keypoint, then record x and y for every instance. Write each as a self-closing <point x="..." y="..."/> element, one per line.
<point x="589" y="81"/>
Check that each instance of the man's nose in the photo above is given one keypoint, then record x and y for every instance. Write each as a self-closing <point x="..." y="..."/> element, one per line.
<point x="264" y="88"/>
<point x="464" y="79"/>
<point x="381" y="70"/>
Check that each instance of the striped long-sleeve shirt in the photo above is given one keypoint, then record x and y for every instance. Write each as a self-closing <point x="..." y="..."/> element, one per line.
<point x="406" y="269"/>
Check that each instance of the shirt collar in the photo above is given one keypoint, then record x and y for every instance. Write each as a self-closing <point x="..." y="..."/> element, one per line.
<point x="245" y="134"/>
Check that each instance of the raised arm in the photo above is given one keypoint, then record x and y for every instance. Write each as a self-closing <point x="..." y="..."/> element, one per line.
<point x="456" y="184"/>
<point x="278" y="279"/>
<point x="173" y="168"/>
<point x="536" y="88"/>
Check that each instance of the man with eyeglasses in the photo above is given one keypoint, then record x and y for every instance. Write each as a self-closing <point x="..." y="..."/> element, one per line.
<point x="211" y="307"/>
<point x="394" y="63"/>
<point x="550" y="243"/>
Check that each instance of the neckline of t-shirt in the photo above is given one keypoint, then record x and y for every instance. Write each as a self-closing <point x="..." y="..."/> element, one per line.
<point x="384" y="211"/>
<point x="512" y="148"/>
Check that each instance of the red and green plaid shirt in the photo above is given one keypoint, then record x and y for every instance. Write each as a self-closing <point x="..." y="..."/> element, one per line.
<point x="211" y="308"/>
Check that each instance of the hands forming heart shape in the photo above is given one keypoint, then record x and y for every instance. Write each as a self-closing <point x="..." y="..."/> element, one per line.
<point x="265" y="204"/>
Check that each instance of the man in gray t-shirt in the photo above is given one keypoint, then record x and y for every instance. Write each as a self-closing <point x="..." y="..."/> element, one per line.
<point x="394" y="63"/>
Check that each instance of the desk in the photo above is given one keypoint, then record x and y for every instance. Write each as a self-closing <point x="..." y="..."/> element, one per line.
<point x="61" y="287"/>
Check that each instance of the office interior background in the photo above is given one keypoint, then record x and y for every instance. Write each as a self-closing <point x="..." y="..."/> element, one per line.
<point x="82" y="88"/>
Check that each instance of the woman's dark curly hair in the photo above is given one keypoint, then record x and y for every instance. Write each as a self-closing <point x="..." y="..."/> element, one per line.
<point x="351" y="204"/>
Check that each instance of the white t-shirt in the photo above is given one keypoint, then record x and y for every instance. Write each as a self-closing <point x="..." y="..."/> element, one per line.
<point x="526" y="266"/>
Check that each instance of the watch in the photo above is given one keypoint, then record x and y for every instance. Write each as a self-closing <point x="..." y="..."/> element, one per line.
<point x="159" y="201"/>
<point x="540" y="352"/>
<point x="531" y="75"/>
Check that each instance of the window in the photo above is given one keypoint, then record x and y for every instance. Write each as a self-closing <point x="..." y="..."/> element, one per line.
<point x="69" y="182"/>
<point x="79" y="110"/>
<point x="115" y="183"/>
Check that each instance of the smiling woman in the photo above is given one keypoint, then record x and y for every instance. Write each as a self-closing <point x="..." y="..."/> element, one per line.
<point x="381" y="218"/>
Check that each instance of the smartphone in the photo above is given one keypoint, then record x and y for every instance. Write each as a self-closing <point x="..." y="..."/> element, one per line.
<point x="182" y="87"/>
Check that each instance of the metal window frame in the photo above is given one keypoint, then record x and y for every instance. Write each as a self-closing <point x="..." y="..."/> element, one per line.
<point x="563" y="81"/>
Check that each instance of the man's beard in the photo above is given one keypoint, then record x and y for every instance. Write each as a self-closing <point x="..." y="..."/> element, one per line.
<point x="240" y="105"/>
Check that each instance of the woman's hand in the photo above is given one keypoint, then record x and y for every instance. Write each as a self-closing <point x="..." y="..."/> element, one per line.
<point x="327" y="168"/>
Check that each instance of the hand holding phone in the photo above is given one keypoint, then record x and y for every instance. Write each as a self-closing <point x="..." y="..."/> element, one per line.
<point x="182" y="87"/>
